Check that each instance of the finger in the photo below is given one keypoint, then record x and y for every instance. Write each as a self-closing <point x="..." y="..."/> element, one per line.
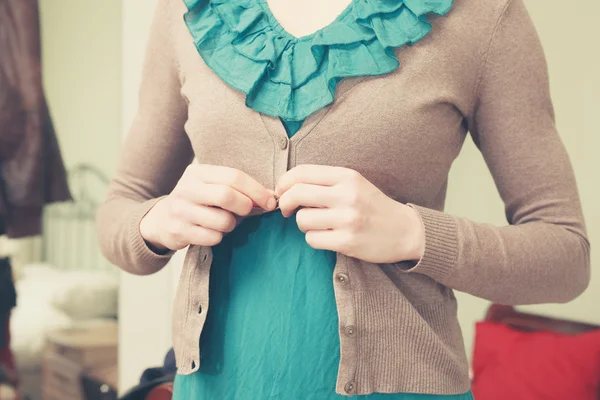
<point x="312" y="174"/>
<point x="311" y="219"/>
<point x="333" y="240"/>
<point x="303" y="195"/>
<point x="211" y="217"/>
<point x="184" y="234"/>
<point x="222" y="196"/>
<point x="201" y="236"/>
<point x="228" y="199"/>
<point x="239" y="181"/>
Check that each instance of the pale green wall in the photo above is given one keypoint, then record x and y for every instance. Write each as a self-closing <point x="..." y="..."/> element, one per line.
<point x="569" y="37"/>
<point x="81" y="43"/>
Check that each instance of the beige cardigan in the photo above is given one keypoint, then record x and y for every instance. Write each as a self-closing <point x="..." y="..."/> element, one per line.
<point x="482" y="70"/>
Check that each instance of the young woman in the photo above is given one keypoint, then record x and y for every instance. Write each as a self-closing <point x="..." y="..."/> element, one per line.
<point x="321" y="263"/>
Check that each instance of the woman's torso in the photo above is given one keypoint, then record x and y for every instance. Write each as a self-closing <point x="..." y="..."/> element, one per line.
<point x="375" y="126"/>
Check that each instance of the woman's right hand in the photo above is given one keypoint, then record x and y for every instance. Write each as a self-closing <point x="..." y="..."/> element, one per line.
<point x="203" y="207"/>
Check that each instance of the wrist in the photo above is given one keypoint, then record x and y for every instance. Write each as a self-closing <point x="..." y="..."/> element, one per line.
<point x="149" y="232"/>
<point x="413" y="242"/>
<point x="418" y="250"/>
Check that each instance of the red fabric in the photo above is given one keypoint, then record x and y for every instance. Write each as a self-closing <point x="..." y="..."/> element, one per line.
<point x="514" y="365"/>
<point x="6" y="357"/>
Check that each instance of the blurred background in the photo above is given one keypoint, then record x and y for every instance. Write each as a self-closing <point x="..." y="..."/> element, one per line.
<point x="78" y="316"/>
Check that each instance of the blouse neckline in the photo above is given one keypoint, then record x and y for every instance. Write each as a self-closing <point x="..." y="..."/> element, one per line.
<point x="291" y="78"/>
<point x="292" y="38"/>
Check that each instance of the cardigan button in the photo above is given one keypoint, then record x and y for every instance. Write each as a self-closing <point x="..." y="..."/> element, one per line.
<point x="283" y="143"/>
<point x="342" y="278"/>
<point x="350" y="330"/>
<point x="350" y="387"/>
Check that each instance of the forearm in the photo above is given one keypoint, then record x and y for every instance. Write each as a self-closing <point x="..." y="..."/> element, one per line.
<point x="154" y="157"/>
<point x="529" y="263"/>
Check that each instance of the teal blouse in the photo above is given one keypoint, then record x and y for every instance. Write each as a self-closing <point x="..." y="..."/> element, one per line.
<point x="272" y="326"/>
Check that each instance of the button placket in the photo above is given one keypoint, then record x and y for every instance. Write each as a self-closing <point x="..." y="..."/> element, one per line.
<point x="280" y="166"/>
<point x="281" y="145"/>
<point x="199" y="307"/>
<point x="346" y="382"/>
<point x="203" y="259"/>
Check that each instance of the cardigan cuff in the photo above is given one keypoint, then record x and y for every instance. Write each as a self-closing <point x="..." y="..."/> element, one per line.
<point x="441" y="245"/>
<point x="148" y="260"/>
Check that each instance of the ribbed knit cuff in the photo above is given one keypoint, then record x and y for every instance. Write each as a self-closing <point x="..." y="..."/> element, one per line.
<point x="148" y="260"/>
<point x="441" y="244"/>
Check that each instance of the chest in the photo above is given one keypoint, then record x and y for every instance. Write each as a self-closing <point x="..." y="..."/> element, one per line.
<point x="402" y="130"/>
<point x="301" y="18"/>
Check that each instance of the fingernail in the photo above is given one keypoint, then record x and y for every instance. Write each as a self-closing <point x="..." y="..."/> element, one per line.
<point x="272" y="203"/>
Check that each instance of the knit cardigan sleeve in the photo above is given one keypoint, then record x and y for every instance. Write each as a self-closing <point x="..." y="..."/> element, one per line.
<point x="155" y="154"/>
<point x="545" y="245"/>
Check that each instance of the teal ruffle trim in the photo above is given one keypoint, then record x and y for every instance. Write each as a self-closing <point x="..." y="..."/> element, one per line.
<point x="291" y="78"/>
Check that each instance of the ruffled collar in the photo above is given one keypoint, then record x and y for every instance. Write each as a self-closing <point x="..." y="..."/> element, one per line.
<point x="291" y="78"/>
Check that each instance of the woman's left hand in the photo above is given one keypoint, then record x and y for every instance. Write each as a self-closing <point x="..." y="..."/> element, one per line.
<point x="341" y="211"/>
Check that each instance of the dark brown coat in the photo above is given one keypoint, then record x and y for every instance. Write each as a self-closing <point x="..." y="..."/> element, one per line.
<point x="32" y="173"/>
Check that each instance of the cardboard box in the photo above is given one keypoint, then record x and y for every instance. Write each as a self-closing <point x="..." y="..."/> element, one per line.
<point x="87" y="348"/>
